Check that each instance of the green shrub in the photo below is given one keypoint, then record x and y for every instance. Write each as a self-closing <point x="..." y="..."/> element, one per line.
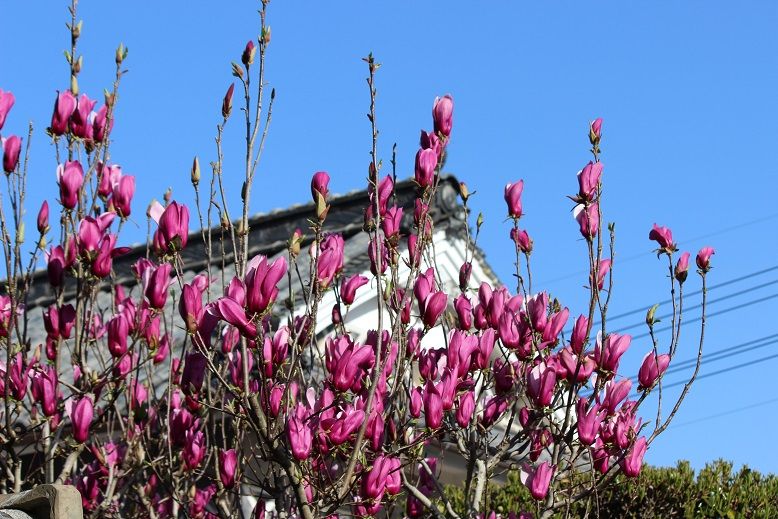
<point x="659" y="492"/>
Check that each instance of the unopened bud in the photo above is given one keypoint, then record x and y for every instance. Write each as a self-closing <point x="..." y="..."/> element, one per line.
<point x="121" y="53"/>
<point x="480" y="220"/>
<point x="236" y="70"/>
<point x="74" y="85"/>
<point x="266" y="35"/>
<point x="195" y="172"/>
<point x="109" y="98"/>
<point x="650" y="315"/>
<point x="227" y="102"/>
<point x="20" y="233"/>
<point x="77" y="29"/>
<point x="78" y="64"/>
<point x="247" y="58"/>
<point x="295" y="241"/>
<point x="225" y="223"/>
<point x="463" y="191"/>
<point x="168" y="195"/>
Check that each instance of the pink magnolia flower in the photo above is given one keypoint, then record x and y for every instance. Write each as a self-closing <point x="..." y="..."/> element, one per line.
<point x="7" y="100"/>
<point x="539" y="480"/>
<point x="299" y="433"/>
<point x="513" y="198"/>
<point x="540" y="384"/>
<point x="633" y="461"/>
<point x="345" y="425"/>
<point x="156" y="287"/>
<point x="80" y="124"/>
<point x="320" y="183"/>
<point x="81" y="415"/>
<point x="607" y="356"/>
<point x="18" y="375"/>
<point x="578" y="337"/>
<point x="64" y="107"/>
<point x="425" y="165"/>
<point x="603" y="269"/>
<point x="11" y="148"/>
<point x="330" y="260"/>
<point x="56" y="265"/>
<point x="522" y="240"/>
<point x="109" y="176"/>
<point x="391" y="222"/>
<point x="433" y="406"/>
<point x="443" y="114"/>
<point x="349" y="287"/>
<point x="173" y="230"/>
<point x="703" y="258"/>
<point x="465" y="409"/>
<point x="434" y="306"/>
<point x="588" y="218"/>
<point x="194" y="373"/>
<point x="194" y="449"/>
<point x="118" y="329"/>
<point x="663" y="236"/>
<point x="682" y="267"/>
<point x="615" y="393"/>
<point x="595" y="129"/>
<point x="70" y="177"/>
<point x="261" y="280"/>
<point x="190" y="307"/>
<point x="123" y="191"/>
<point x="588" y="421"/>
<point x="464" y="312"/>
<point x="652" y="368"/>
<point x="44" y="389"/>
<point x="100" y="125"/>
<point x="228" y="465"/>
<point x="589" y="181"/>
<point x="378" y="255"/>
<point x="43" y="218"/>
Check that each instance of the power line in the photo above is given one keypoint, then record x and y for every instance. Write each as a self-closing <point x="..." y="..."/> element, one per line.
<point x="711" y="302"/>
<point x="725" y="370"/>
<point x="725" y="413"/>
<point x="695" y="292"/>
<point x="726" y="353"/>
<point x="712" y="314"/>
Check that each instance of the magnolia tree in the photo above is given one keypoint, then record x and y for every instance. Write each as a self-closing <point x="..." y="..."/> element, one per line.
<point x="146" y="422"/>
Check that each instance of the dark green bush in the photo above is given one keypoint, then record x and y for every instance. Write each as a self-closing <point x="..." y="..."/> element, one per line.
<point x="659" y="492"/>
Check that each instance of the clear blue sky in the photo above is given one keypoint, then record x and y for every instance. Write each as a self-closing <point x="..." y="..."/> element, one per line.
<point x="687" y="91"/>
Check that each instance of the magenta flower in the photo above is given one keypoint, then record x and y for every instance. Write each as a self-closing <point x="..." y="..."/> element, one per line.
<point x="261" y="282"/>
<point x="540" y="384"/>
<point x="703" y="258"/>
<point x="522" y="240"/>
<point x="70" y="177"/>
<point x="434" y="306"/>
<point x="157" y="286"/>
<point x="194" y="449"/>
<point x="465" y="409"/>
<point x="602" y="272"/>
<point x="595" y="128"/>
<point x="513" y="198"/>
<point x="652" y="368"/>
<point x="578" y="338"/>
<point x="299" y="433"/>
<point x="320" y="186"/>
<point x="424" y="169"/>
<point x="330" y="260"/>
<point x="349" y="287"/>
<point x="607" y="356"/>
<point x="118" y="329"/>
<point x="228" y="465"/>
<point x="682" y="267"/>
<point x="464" y="312"/>
<point x="190" y="307"/>
<point x="433" y="406"/>
<point x="346" y="425"/>
<point x="81" y="415"/>
<point x="588" y="421"/>
<point x="588" y="218"/>
<point x="6" y="103"/>
<point x="633" y="461"/>
<point x="100" y="126"/>
<point x="173" y="230"/>
<point x="247" y="58"/>
<point x="64" y="107"/>
<point x="80" y="123"/>
<point x="11" y="148"/>
<point x="663" y="236"/>
<point x="443" y="114"/>
<point x="391" y="222"/>
<point x="123" y="192"/>
<point x="43" y="218"/>
<point x="44" y="389"/>
<point x="589" y="181"/>
<point x="538" y="481"/>
<point x="194" y="372"/>
<point x="615" y="393"/>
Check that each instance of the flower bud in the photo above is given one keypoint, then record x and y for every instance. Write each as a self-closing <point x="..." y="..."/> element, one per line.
<point x="227" y="102"/>
<point x="11" y="148"/>
<point x="195" y="172"/>
<point x="247" y="58"/>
